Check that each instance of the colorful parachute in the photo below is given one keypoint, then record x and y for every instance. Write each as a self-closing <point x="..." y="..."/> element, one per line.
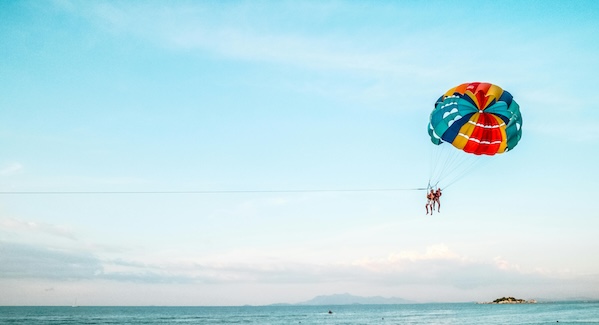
<point x="478" y="118"/>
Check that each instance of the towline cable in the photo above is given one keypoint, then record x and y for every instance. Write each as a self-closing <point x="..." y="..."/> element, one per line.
<point x="211" y="191"/>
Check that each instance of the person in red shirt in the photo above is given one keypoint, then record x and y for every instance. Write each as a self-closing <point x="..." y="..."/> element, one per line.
<point x="430" y="201"/>
<point x="437" y="197"/>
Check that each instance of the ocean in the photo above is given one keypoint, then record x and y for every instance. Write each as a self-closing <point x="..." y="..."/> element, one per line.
<point x="440" y="313"/>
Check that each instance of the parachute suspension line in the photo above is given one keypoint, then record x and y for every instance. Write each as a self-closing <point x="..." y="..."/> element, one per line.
<point x="436" y="169"/>
<point x="464" y="169"/>
<point x="468" y="164"/>
<point x="449" y="165"/>
<point x="449" y="162"/>
<point x="444" y="162"/>
<point x="475" y="164"/>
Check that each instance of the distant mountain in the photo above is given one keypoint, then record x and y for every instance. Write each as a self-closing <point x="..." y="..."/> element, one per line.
<point x="347" y="299"/>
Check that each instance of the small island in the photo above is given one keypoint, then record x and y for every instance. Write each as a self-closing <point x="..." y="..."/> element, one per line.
<point x="510" y="300"/>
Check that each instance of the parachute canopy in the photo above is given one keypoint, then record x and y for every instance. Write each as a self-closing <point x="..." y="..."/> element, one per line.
<point x="478" y="118"/>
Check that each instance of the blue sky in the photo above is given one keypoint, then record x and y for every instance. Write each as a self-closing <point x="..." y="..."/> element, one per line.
<point x="162" y="96"/>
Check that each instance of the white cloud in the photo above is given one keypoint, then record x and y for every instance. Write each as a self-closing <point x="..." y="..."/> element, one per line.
<point x="436" y="266"/>
<point x="503" y="264"/>
<point x="189" y="28"/>
<point x="29" y="261"/>
<point x="397" y="261"/>
<point x="31" y="227"/>
<point x="11" y="169"/>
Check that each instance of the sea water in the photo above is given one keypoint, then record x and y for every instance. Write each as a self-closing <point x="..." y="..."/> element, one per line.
<point x="457" y="313"/>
